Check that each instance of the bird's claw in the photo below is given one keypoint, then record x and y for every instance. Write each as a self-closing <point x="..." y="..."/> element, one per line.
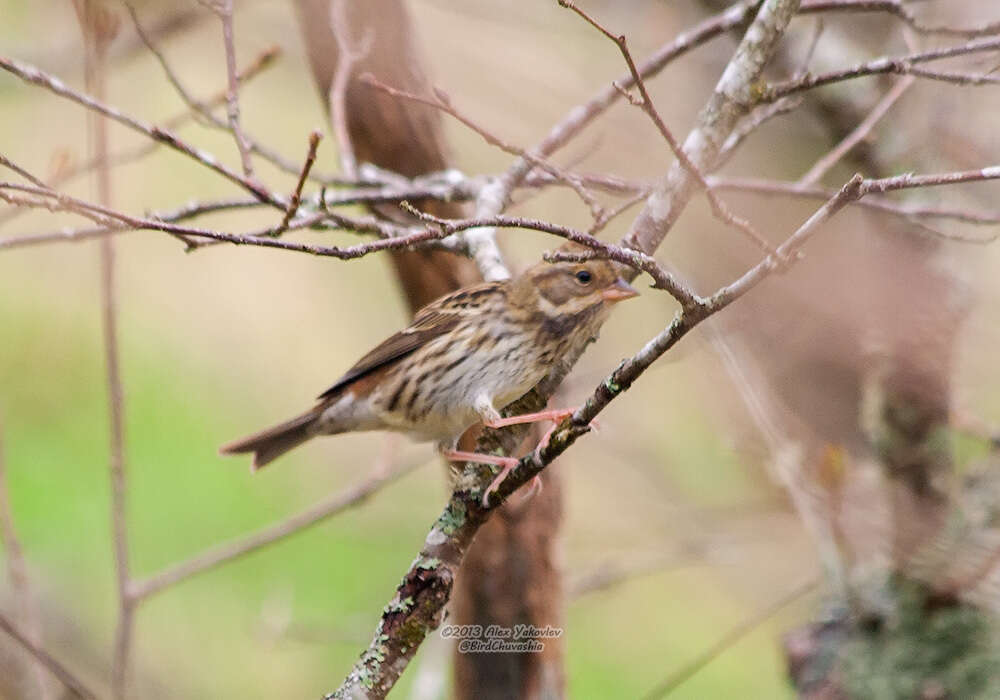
<point x="557" y="418"/>
<point x="535" y="488"/>
<point x="498" y="479"/>
<point x="506" y="464"/>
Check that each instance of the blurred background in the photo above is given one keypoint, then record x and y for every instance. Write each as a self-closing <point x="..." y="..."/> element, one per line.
<point x="677" y="526"/>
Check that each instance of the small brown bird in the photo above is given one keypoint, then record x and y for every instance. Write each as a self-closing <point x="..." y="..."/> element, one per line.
<point x="462" y="359"/>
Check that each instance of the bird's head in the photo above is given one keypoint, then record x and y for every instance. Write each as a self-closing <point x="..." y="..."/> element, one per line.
<point x="584" y="291"/>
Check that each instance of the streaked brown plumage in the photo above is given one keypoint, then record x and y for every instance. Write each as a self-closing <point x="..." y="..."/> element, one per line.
<point x="462" y="359"/>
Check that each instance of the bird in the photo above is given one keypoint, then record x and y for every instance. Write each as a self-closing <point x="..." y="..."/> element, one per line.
<point x="462" y="360"/>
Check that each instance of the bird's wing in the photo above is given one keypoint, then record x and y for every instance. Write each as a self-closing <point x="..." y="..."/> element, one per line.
<point x="435" y="319"/>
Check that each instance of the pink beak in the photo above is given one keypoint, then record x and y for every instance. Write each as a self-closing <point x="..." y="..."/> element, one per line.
<point x="618" y="291"/>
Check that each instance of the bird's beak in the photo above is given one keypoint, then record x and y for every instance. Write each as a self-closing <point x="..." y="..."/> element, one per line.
<point x="618" y="291"/>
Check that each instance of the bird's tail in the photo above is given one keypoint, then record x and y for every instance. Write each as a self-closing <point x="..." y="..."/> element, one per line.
<point x="268" y="445"/>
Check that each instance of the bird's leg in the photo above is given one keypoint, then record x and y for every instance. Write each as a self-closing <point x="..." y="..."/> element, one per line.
<point x="506" y="464"/>
<point x="492" y="419"/>
<point x="556" y="415"/>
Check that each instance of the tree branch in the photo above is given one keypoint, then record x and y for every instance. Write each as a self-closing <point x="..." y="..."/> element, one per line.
<point x="898" y="65"/>
<point x="229" y="551"/>
<point x="38" y="77"/>
<point x="732" y="98"/>
<point x="72" y="683"/>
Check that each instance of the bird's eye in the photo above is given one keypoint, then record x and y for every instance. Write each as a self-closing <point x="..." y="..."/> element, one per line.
<point x="583" y="277"/>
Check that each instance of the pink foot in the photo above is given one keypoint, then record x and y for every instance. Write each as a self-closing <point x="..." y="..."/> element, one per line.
<point x="556" y="415"/>
<point x="545" y="441"/>
<point x="535" y="488"/>
<point x="506" y="464"/>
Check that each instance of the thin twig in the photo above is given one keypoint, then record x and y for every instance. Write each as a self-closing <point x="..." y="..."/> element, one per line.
<point x="611" y="214"/>
<point x="912" y="213"/>
<point x="349" y="54"/>
<point x="443" y="187"/>
<point x="729" y="102"/>
<point x="753" y="121"/>
<point x="492" y="199"/>
<point x="820" y="168"/>
<point x="111" y="221"/>
<point x="17" y="568"/>
<point x="8" y="163"/>
<point x="38" y="77"/>
<point x="296" y="199"/>
<point x="645" y="102"/>
<point x="225" y="12"/>
<point x="229" y="551"/>
<point x="195" y="107"/>
<point x="677" y="678"/>
<point x="263" y="60"/>
<point x="580" y="116"/>
<point x="95" y="64"/>
<point x="817" y="34"/>
<point x="902" y="12"/>
<point x="203" y="110"/>
<point x="633" y="258"/>
<point x="613" y="574"/>
<point x="395" y="236"/>
<point x="899" y="65"/>
<point x="72" y="683"/>
<point x="443" y="102"/>
<point x="47" y="193"/>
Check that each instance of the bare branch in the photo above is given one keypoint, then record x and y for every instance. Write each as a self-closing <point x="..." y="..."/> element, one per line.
<point x="262" y="61"/>
<point x="907" y="211"/>
<point x="203" y="111"/>
<point x="72" y="683"/>
<point x="733" y="17"/>
<point x="229" y="551"/>
<point x="37" y="77"/>
<point x="296" y="198"/>
<point x="632" y="258"/>
<point x="611" y="214"/>
<point x="111" y="221"/>
<point x="96" y="41"/>
<point x="903" y="12"/>
<point x="481" y="243"/>
<point x="349" y="53"/>
<point x="17" y="568"/>
<point x="7" y="163"/>
<point x="442" y="101"/>
<point x="396" y="236"/>
<point x="732" y="97"/>
<point x="645" y="102"/>
<point x="613" y="574"/>
<point x="753" y="121"/>
<point x="824" y="164"/>
<point x="677" y="678"/>
<point x="194" y="105"/>
<point x="225" y="13"/>
<point x="899" y="65"/>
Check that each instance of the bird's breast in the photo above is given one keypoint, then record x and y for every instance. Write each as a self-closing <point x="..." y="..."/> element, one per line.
<point x="433" y="391"/>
